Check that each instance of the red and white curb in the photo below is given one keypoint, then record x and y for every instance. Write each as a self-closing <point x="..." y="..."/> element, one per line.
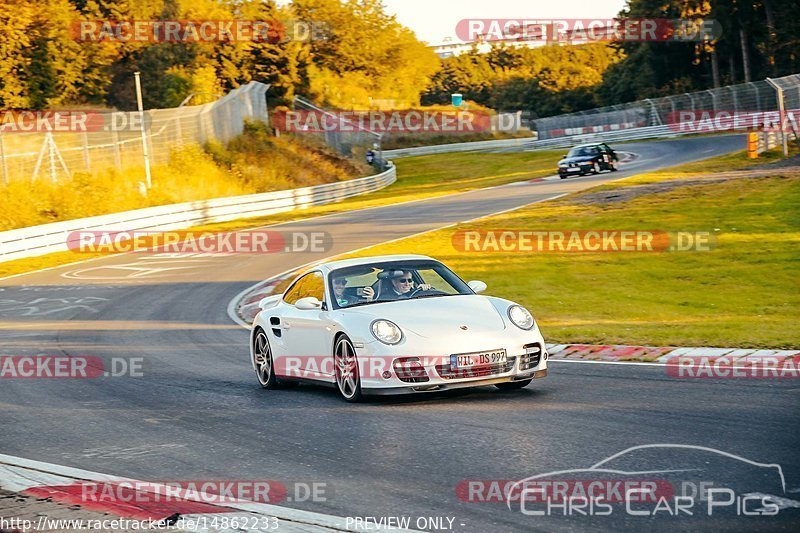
<point x="65" y="485"/>
<point x="247" y="308"/>
<point x="663" y="355"/>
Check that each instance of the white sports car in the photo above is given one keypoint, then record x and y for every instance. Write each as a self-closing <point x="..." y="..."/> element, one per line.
<point x="393" y="324"/>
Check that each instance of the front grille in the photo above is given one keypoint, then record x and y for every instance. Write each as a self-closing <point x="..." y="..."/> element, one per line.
<point x="447" y="372"/>
<point x="531" y="357"/>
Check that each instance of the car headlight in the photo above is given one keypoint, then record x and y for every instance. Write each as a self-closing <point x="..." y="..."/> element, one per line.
<point x="520" y="317"/>
<point x="386" y="331"/>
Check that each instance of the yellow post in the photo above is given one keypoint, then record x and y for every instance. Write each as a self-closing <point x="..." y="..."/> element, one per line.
<point x="752" y="146"/>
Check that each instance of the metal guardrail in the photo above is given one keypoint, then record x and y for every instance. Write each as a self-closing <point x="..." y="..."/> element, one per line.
<point x="633" y="134"/>
<point x="455" y="147"/>
<point x="48" y="238"/>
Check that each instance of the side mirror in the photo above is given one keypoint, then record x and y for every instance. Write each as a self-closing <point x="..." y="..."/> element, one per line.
<point x="308" y="303"/>
<point x="269" y="301"/>
<point x="477" y="286"/>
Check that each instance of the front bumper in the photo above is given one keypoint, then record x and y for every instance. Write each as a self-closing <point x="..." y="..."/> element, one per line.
<point x="580" y="169"/>
<point x="526" y="352"/>
<point x="421" y="388"/>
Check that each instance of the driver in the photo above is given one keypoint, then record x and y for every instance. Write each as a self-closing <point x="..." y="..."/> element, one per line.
<point x="339" y="284"/>
<point x="402" y="285"/>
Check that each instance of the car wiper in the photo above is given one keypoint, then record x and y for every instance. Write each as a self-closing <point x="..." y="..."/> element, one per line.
<point x="429" y="296"/>
<point x="357" y="304"/>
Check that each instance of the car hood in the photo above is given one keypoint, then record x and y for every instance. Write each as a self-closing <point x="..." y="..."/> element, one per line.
<point x="581" y="159"/>
<point x="431" y="317"/>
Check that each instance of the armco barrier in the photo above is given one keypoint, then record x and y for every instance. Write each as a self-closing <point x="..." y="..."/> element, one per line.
<point x="456" y="147"/>
<point x="632" y="134"/>
<point x="48" y="238"/>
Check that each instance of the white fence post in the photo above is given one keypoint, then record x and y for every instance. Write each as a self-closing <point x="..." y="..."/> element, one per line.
<point x="86" y="163"/>
<point x="3" y="160"/>
<point x="144" y="135"/>
<point x="783" y="122"/>
<point x="115" y="143"/>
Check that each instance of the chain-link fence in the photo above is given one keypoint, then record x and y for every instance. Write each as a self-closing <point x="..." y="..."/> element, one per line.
<point x="746" y="99"/>
<point x="348" y="138"/>
<point x="114" y="139"/>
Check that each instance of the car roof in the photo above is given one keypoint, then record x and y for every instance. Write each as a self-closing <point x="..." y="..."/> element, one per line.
<point x="343" y="263"/>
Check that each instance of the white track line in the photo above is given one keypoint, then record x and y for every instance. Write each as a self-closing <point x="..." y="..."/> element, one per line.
<point x="18" y="474"/>
<point x="53" y="267"/>
<point x="512" y="209"/>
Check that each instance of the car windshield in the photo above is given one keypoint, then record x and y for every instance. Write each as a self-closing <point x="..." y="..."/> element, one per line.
<point x="389" y="281"/>
<point x="582" y="151"/>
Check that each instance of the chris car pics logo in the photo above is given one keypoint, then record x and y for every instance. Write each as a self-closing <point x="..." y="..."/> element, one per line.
<point x="654" y="480"/>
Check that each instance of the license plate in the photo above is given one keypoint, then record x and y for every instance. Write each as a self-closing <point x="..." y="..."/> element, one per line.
<point x="472" y="360"/>
<point x="573" y="169"/>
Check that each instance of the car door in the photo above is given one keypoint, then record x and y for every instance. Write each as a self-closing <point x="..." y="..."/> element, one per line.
<point x="307" y="333"/>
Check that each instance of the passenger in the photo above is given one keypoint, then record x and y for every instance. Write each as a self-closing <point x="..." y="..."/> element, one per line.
<point x="364" y="295"/>
<point x="401" y="285"/>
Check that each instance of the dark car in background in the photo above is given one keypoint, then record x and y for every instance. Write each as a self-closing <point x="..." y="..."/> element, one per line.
<point x="588" y="159"/>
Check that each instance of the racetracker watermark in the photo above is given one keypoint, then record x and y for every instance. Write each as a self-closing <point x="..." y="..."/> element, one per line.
<point x="209" y="491"/>
<point x="366" y="366"/>
<point x="725" y="367"/>
<point x="240" y="242"/>
<point x="75" y="121"/>
<point x="69" y="367"/>
<point x="563" y="490"/>
<point x="197" y="31"/>
<point x="392" y="121"/>
<point x="588" y="30"/>
<point x="707" y="121"/>
<point x="581" y="241"/>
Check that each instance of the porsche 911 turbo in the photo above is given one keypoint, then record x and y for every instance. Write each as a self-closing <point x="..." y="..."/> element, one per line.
<point x="393" y="325"/>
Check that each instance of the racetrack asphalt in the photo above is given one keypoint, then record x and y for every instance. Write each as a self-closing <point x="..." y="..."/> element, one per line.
<point x="197" y="411"/>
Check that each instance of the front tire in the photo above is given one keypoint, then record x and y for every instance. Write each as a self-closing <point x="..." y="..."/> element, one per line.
<point x="513" y="385"/>
<point x="262" y="360"/>
<point x="345" y="362"/>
